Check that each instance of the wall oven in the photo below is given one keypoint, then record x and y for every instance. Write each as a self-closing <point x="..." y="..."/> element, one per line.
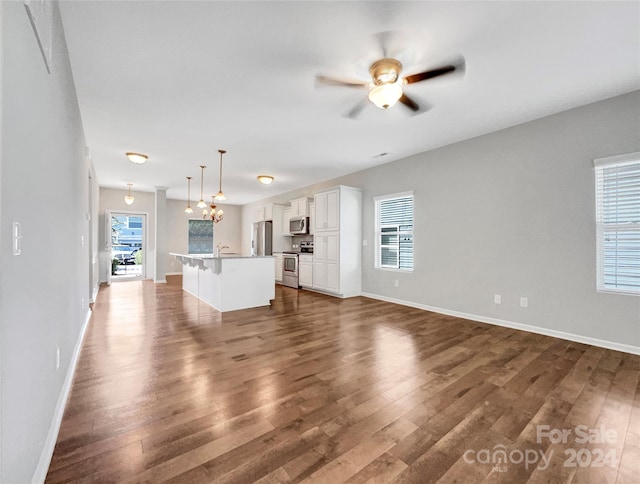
<point x="299" y="225"/>
<point x="290" y="270"/>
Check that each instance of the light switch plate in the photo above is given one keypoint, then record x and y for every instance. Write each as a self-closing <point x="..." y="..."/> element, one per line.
<point x="17" y="237"/>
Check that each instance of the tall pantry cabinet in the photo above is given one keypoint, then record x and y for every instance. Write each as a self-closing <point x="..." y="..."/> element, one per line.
<point x="337" y="252"/>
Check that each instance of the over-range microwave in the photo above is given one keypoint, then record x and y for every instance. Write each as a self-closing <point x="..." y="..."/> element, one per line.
<point x="299" y="225"/>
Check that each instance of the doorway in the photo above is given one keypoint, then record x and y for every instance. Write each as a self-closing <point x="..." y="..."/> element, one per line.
<point x="128" y="245"/>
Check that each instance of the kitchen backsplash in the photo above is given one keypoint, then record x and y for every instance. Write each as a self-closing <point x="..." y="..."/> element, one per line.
<point x="296" y="239"/>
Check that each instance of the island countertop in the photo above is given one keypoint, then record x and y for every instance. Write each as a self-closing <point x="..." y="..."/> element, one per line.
<point x="229" y="282"/>
<point x="221" y="256"/>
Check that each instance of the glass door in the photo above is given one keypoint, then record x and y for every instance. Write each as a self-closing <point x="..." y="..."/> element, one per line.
<point x="128" y="248"/>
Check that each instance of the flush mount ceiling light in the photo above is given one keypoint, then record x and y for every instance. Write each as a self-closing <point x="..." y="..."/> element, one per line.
<point x="220" y="195"/>
<point x="188" y="209"/>
<point x="128" y="199"/>
<point x="137" y="158"/>
<point x="265" y="179"/>
<point x="201" y="203"/>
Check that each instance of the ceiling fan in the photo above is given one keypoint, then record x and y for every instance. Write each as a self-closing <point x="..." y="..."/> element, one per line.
<point x="386" y="85"/>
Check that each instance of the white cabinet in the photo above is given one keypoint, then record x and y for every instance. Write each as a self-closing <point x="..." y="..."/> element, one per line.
<point x="286" y="216"/>
<point x="300" y="207"/>
<point x="337" y="238"/>
<point x="275" y="212"/>
<point x="264" y="212"/>
<point x="327" y="210"/>
<point x="312" y="218"/>
<point x="305" y="270"/>
<point x="326" y="257"/>
<point x="278" y="258"/>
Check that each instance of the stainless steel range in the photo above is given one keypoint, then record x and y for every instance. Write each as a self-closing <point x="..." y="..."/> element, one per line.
<point x="290" y="269"/>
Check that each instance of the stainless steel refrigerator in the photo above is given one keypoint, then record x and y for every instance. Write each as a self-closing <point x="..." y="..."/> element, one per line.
<point x="261" y="239"/>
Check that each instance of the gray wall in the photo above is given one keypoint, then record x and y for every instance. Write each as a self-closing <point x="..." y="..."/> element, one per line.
<point x="512" y="213"/>
<point x="44" y="186"/>
<point x="227" y="231"/>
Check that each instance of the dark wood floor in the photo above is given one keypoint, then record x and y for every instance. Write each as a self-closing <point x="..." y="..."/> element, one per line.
<point x="319" y="389"/>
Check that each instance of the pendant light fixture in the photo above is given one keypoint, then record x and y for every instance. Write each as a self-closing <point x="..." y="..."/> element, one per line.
<point x="128" y="199"/>
<point x="215" y="215"/>
<point x="220" y="196"/>
<point x="201" y="203"/>
<point x="188" y="209"/>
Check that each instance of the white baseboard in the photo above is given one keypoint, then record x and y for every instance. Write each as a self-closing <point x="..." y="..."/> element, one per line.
<point x="634" y="350"/>
<point x="173" y="274"/>
<point x="40" y="473"/>
<point x="94" y="294"/>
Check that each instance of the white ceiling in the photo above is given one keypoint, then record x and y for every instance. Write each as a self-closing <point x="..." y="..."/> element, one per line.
<point x="180" y="80"/>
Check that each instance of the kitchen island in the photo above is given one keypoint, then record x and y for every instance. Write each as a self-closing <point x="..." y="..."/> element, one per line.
<point x="229" y="282"/>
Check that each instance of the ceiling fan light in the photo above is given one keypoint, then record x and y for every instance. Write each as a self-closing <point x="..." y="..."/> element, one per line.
<point x="137" y="158"/>
<point x="385" y="95"/>
<point x="265" y="179"/>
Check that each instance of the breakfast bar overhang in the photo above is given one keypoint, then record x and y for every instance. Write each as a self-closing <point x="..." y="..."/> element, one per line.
<point x="229" y="282"/>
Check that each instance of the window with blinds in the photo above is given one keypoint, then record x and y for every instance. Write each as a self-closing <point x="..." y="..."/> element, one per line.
<point x="394" y="232"/>
<point x="618" y="223"/>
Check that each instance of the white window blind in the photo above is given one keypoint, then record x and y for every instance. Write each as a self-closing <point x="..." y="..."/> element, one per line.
<point x="394" y="232"/>
<point x="618" y="223"/>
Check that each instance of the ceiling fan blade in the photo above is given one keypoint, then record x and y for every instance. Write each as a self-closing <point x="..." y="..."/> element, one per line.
<point x="330" y="81"/>
<point x="357" y="109"/>
<point x="440" y="71"/>
<point x="410" y="103"/>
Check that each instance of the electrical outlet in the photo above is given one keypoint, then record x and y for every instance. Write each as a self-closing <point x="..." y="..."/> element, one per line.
<point x="396" y="283"/>
<point x="57" y="358"/>
<point x="497" y="298"/>
<point x="82" y="303"/>
<point x="524" y="302"/>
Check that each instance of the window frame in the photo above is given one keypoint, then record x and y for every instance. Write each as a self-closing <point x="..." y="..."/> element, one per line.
<point x="602" y="227"/>
<point x="377" y="263"/>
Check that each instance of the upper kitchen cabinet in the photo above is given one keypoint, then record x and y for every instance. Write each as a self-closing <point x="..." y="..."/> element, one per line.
<point x="312" y="218"/>
<point x="264" y="212"/>
<point x="327" y="208"/>
<point x="286" y="216"/>
<point x="275" y="213"/>
<point x="299" y="207"/>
